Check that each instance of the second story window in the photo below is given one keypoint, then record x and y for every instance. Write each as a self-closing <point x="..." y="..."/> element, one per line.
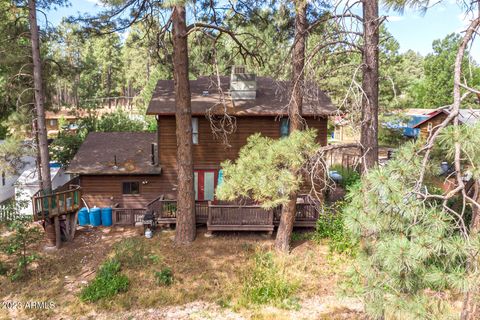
<point x="195" y="130"/>
<point x="284" y="127"/>
<point x="131" y="187"/>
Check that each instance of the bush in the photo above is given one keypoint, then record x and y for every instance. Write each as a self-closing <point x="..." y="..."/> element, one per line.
<point x="349" y="176"/>
<point x="130" y="252"/>
<point x="18" y="246"/>
<point x="107" y="283"/>
<point x="268" y="284"/>
<point x="330" y="225"/>
<point x="164" y="277"/>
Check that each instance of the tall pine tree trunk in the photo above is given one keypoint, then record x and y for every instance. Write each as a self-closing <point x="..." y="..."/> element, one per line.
<point x="369" y="129"/>
<point x="282" y="241"/>
<point x="46" y="182"/>
<point x="186" y="228"/>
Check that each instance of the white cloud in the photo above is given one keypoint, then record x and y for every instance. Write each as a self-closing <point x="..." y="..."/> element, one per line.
<point x="395" y="18"/>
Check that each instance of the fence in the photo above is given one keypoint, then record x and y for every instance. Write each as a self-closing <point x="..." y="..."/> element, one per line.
<point x="8" y="213"/>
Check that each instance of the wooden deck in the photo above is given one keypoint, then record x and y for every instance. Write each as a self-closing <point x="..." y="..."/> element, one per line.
<point x="62" y="204"/>
<point x="230" y="217"/>
<point x="56" y="204"/>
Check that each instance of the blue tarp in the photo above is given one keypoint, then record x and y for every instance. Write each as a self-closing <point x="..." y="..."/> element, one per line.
<point x="407" y="128"/>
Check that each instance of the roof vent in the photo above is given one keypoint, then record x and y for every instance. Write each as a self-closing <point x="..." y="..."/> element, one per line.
<point x="243" y="86"/>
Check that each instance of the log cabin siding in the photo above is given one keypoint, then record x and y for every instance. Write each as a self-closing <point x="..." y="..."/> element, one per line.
<point x="435" y="121"/>
<point x="106" y="190"/>
<point x="211" y="151"/>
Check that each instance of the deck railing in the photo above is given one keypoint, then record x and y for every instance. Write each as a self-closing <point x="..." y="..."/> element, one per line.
<point x="237" y="217"/>
<point x="219" y="216"/>
<point x="127" y="216"/>
<point x="56" y="204"/>
<point x="234" y="214"/>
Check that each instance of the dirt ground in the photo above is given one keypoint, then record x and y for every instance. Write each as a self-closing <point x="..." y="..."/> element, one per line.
<point x="208" y="276"/>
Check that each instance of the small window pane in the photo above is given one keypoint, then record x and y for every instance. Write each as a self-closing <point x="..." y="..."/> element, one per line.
<point x="284" y="127"/>
<point x="195" y="130"/>
<point x="131" y="188"/>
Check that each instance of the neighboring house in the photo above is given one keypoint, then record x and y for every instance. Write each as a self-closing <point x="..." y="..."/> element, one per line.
<point x="414" y="116"/>
<point x="435" y="118"/>
<point x="7" y="181"/>
<point x="132" y="169"/>
<point x="344" y="132"/>
<point x="27" y="185"/>
<point x="69" y="118"/>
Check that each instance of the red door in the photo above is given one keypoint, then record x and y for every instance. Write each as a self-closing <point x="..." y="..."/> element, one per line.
<point x="205" y="184"/>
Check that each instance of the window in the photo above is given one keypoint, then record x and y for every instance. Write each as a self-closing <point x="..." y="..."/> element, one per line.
<point x="53" y="122"/>
<point x="195" y="130"/>
<point x="3" y="178"/>
<point x="429" y="126"/>
<point x="284" y="127"/>
<point x="131" y="187"/>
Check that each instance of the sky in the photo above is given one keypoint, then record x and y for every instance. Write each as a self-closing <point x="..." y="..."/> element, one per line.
<point x="412" y="30"/>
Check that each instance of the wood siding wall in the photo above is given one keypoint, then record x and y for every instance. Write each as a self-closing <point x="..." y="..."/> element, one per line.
<point x="105" y="191"/>
<point x="208" y="154"/>
<point x="435" y="121"/>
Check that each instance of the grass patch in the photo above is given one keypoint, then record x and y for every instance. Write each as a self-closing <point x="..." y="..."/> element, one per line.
<point x="300" y="236"/>
<point x="107" y="283"/>
<point x="267" y="283"/>
<point x="131" y="252"/>
<point x="331" y="226"/>
<point x="164" y="277"/>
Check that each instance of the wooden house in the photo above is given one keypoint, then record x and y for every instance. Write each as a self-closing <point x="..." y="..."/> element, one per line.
<point x="436" y="117"/>
<point x="134" y="169"/>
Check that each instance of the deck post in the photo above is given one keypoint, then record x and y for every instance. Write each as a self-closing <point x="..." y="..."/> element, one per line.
<point x="68" y="226"/>
<point x="58" y="238"/>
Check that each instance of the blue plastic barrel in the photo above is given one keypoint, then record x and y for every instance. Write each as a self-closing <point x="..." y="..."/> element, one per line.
<point x="95" y="217"/>
<point x="106" y="217"/>
<point x="83" y="218"/>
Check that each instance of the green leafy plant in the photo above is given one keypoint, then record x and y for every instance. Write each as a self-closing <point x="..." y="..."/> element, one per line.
<point x="155" y="259"/>
<point x="411" y="247"/>
<point x="130" y="252"/>
<point x="264" y="170"/>
<point x="107" y="283"/>
<point x="299" y="236"/>
<point x="164" y="277"/>
<point x="18" y="245"/>
<point x="267" y="283"/>
<point x="330" y="225"/>
<point x="349" y="176"/>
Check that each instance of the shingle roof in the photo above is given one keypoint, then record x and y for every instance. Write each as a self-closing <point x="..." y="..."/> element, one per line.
<point x="465" y="116"/>
<point x="131" y="150"/>
<point x="272" y="99"/>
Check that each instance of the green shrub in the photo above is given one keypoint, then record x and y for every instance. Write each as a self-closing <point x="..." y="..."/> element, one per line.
<point x="268" y="284"/>
<point x="299" y="236"/>
<point x="330" y="226"/>
<point x="131" y="252"/>
<point x="349" y="176"/>
<point x="164" y="277"/>
<point x="18" y="245"/>
<point x="107" y="283"/>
